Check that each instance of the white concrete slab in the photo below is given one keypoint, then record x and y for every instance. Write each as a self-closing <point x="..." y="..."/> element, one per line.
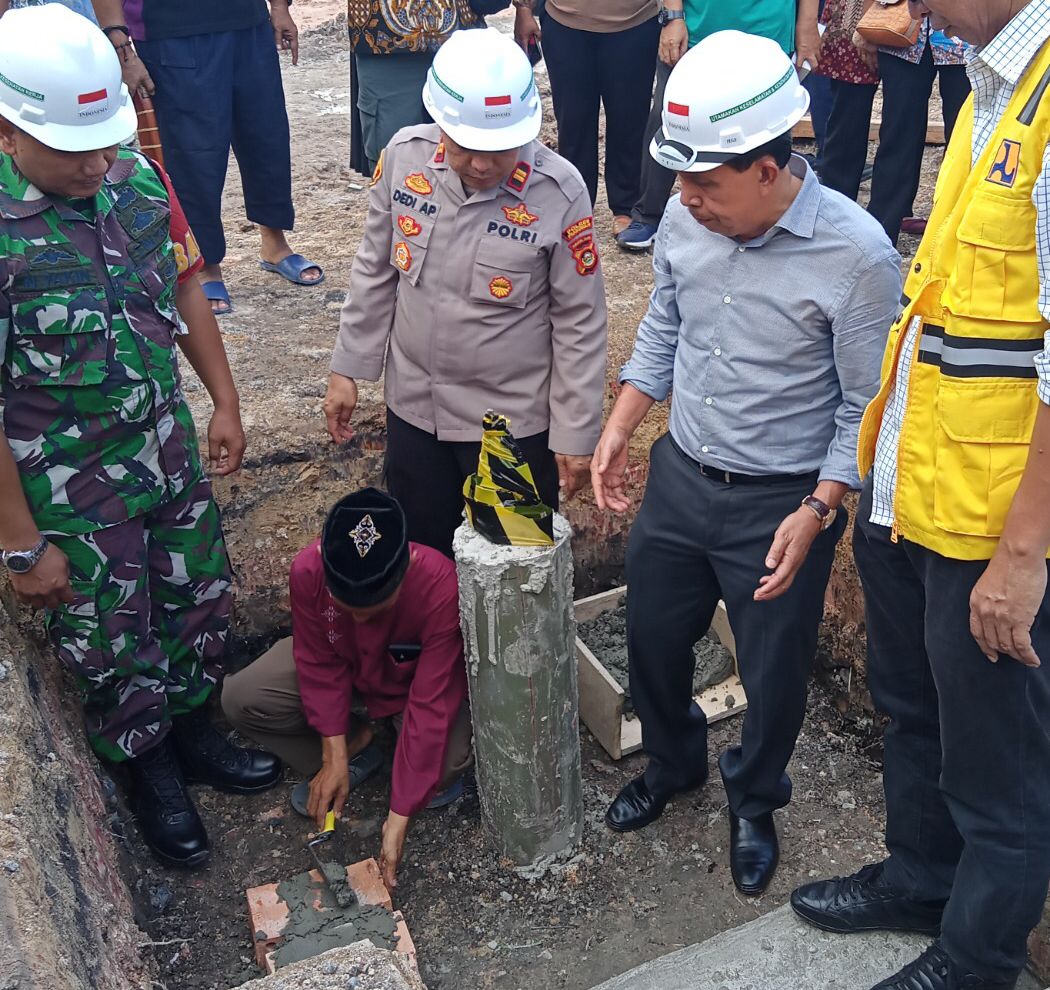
<point x="780" y="952"/>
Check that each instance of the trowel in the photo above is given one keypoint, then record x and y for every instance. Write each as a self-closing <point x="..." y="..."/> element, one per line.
<point x="341" y="890"/>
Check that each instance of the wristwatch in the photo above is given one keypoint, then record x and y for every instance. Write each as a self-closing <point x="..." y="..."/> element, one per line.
<point x="824" y="512"/>
<point x="23" y="561"/>
<point x="666" y="15"/>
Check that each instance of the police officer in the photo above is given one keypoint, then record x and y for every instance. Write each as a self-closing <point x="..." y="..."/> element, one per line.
<point x="952" y="537"/>
<point x="765" y="320"/>
<point x="478" y="282"/>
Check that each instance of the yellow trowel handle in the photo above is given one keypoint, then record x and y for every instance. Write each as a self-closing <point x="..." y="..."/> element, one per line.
<point x="329" y="822"/>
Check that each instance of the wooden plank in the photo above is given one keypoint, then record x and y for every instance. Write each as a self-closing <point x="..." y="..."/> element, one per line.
<point x="586" y="609"/>
<point x="602" y="699"/>
<point x="268" y="914"/>
<point x="803" y="130"/>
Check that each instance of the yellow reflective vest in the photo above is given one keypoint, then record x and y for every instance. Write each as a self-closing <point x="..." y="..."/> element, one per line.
<point x="974" y="286"/>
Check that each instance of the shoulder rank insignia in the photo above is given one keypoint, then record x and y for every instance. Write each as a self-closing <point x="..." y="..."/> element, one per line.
<point x="402" y="256"/>
<point x="408" y="226"/>
<point x="418" y="183"/>
<point x="574" y="230"/>
<point x="501" y="287"/>
<point x="439" y="154"/>
<point x="520" y="215"/>
<point x="519" y="177"/>
<point x="585" y="251"/>
<point x="378" y="173"/>
<point x="1007" y="164"/>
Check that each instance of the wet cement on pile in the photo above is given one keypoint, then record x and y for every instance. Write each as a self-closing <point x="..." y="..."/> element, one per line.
<point x="606" y="638"/>
<point x="311" y="931"/>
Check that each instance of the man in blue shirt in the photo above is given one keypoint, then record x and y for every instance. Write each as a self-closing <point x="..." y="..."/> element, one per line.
<point x="768" y="319"/>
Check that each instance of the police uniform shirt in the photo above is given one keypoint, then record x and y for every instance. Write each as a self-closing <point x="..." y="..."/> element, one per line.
<point x="477" y="301"/>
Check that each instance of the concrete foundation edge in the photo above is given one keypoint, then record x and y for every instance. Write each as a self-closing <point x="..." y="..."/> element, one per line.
<point x="65" y="912"/>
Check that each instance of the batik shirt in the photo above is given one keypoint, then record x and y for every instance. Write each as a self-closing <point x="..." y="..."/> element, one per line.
<point x="92" y="399"/>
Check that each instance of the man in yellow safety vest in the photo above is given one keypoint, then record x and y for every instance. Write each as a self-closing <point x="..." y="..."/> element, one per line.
<point x="952" y="538"/>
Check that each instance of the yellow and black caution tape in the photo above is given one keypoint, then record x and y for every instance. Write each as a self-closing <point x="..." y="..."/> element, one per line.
<point x="502" y="502"/>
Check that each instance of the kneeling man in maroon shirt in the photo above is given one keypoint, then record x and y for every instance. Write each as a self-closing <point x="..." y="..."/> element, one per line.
<point x="374" y="619"/>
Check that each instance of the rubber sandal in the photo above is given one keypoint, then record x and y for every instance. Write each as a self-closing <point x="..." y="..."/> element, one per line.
<point x="292" y="268"/>
<point x="361" y="767"/>
<point x="216" y="292"/>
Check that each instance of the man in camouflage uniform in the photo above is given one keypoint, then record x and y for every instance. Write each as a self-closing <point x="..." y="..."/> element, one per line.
<point x="108" y="519"/>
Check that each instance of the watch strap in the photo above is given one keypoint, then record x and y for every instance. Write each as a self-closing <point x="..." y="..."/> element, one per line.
<point x="824" y="512"/>
<point x="32" y="556"/>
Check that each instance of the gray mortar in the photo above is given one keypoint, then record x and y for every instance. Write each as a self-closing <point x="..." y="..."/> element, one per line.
<point x="311" y="931"/>
<point x="606" y="638"/>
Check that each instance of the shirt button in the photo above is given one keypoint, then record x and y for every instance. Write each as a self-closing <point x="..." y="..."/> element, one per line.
<point x="704" y="449"/>
<point x="727" y="299"/>
<point x="741" y="249"/>
<point x="708" y="401"/>
<point x="918" y="267"/>
<point x="718" y="352"/>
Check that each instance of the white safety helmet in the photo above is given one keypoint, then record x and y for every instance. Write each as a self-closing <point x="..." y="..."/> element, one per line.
<point x="482" y="93"/>
<point x="60" y="80"/>
<point x="730" y="94"/>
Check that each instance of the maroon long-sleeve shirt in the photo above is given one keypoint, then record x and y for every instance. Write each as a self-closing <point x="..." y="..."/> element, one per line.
<point x="336" y="658"/>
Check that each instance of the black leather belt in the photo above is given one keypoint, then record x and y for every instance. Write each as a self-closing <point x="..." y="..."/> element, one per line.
<point x="732" y="478"/>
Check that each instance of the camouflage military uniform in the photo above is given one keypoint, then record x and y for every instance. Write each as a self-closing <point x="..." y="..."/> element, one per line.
<point x="106" y="448"/>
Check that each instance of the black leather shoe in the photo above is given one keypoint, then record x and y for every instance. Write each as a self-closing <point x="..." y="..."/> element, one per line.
<point x="934" y="970"/>
<point x="164" y="809"/>
<point x="753" y="852"/>
<point x="636" y="806"/>
<point x="864" y="902"/>
<point x="208" y="757"/>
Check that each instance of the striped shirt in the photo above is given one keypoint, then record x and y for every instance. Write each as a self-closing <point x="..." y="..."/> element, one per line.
<point x="994" y="72"/>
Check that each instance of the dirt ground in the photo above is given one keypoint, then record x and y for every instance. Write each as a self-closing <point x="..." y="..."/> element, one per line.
<point x="623" y="899"/>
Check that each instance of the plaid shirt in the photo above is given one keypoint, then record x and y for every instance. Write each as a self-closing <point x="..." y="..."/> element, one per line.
<point x="994" y="72"/>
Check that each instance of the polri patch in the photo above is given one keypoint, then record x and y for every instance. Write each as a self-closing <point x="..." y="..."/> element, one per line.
<point x="520" y="215"/>
<point x="585" y="251"/>
<point x="378" y="173"/>
<point x="402" y="256"/>
<point x="1007" y="164"/>
<point x="418" y="183"/>
<point x="574" y="230"/>
<point x="501" y="287"/>
<point x="408" y="226"/>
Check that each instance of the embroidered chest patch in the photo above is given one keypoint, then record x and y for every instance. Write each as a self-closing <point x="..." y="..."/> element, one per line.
<point x="408" y="226"/>
<point x="418" y="183"/>
<point x="402" y="256"/>
<point x="1007" y="164"/>
<point x="501" y="287"/>
<point x="520" y="215"/>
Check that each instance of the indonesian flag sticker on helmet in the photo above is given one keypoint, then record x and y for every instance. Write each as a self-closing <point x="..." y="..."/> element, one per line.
<point x="729" y="94"/>
<point x="60" y="80"/>
<point x="481" y="92"/>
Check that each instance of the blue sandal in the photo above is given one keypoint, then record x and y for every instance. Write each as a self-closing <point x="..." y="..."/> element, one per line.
<point x="292" y="269"/>
<point x="216" y="292"/>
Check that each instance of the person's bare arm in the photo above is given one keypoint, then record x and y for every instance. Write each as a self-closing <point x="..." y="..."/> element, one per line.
<point x="204" y="350"/>
<point x="807" y="34"/>
<point x="110" y="13"/>
<point x="1005" y="601"/>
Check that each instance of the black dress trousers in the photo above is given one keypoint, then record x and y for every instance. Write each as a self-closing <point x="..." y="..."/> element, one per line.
<point x="695" y="541"/>
<point x="967" y="765"/>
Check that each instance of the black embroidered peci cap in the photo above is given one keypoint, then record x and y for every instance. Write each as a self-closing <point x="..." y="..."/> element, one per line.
<point x="364" y="548"/>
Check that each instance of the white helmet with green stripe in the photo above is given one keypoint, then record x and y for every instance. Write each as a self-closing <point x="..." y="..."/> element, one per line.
<point x="60" y="80"/>
<point x="482" y="93"/>
<point x="730" y="94"/>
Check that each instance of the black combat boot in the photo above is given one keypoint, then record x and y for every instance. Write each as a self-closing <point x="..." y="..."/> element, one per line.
<point x="208" y="757"/>
<point x="164" y="809"/>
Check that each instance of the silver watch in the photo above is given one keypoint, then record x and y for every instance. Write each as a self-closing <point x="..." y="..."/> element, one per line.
<point x="23" y="561"/>
<point x="665" y="15"/>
